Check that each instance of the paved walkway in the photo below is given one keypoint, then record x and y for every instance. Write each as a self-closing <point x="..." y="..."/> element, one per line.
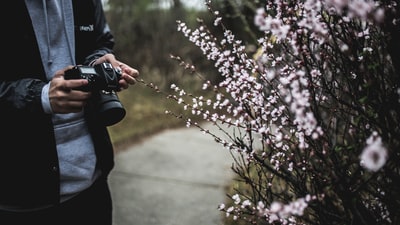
<point x="176" y="177"/>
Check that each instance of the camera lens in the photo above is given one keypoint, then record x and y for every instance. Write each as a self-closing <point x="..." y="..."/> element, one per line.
<point x="110" y="110"/>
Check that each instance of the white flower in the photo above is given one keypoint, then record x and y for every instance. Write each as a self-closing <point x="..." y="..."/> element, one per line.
<point x="374" y="155"/>
<point x="236" y="199"/>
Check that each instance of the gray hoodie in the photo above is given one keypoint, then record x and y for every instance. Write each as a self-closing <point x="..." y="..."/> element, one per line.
<point x="54" y="29"/>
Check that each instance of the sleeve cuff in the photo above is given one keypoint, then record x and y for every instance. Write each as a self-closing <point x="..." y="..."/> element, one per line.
<point x="45" y="99"/>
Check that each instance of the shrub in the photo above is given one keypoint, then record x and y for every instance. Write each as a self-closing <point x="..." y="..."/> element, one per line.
<point x="312" y="119"/>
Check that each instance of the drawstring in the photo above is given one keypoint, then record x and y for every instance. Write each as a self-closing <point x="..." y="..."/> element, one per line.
<point x="66" y="34"/>
<point x="49" y="60"/>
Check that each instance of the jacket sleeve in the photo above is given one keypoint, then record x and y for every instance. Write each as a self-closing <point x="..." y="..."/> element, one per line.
<point x="22" y="76"/>
<point x="23" y="94"/>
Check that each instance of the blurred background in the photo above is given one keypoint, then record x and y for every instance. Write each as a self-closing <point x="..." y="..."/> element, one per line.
<point x="146" y="36"/>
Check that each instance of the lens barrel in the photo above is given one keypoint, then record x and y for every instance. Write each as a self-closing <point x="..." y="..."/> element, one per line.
<point x="109" y="109"/>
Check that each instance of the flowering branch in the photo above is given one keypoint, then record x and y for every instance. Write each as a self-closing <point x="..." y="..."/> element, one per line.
<point x="311" y="118"/>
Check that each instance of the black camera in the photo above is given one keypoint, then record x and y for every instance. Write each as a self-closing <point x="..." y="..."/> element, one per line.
<point x="103" y="83"/>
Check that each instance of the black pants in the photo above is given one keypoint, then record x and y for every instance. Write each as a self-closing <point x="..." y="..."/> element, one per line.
<point x="92" y="206"/>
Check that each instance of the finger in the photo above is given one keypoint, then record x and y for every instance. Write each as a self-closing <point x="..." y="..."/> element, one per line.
<point x="76" y="95"/>
<point x="130" y="71"/>
<point x="75" y="83"/>
<point x="129" y="79"/>
<point x="123" y="84"/>
<point x="134" y="73"/>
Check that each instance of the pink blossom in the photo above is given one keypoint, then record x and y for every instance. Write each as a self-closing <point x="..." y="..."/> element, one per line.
<point x="374" y="155"/>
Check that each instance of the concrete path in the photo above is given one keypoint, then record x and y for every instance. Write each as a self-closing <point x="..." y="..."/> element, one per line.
<point x="176" y="177"/>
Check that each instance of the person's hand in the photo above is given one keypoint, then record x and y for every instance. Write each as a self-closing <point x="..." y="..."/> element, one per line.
<point x="129" y="74"/>
<point x="63" y="94"/>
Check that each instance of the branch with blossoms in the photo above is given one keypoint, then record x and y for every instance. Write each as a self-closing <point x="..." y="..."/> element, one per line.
<point x="312" y="118"/>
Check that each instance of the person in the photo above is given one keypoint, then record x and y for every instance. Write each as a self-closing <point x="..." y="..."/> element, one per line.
<point x="56" y="155"/>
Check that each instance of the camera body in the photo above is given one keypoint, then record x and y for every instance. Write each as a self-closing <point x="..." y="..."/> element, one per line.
<point x="103" y="83"/>
<point x="101" y="77"/>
